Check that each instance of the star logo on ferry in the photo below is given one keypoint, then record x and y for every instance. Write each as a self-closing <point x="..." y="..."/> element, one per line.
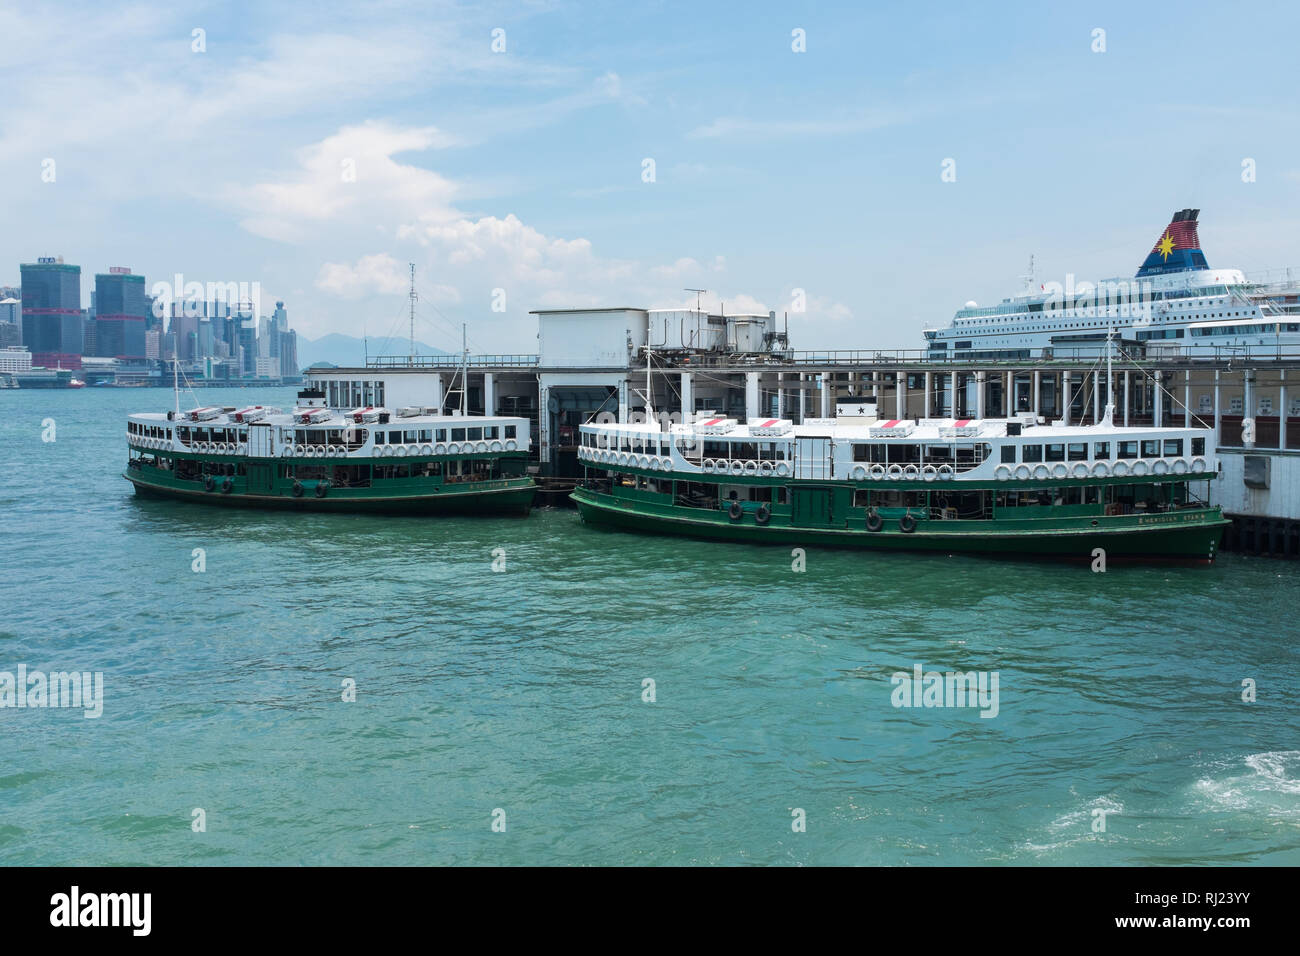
<point x="1165" y="246"/>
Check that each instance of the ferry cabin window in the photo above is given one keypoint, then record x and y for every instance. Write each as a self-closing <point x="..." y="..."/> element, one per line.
<point x="1128" y="449"/>
<point x="475" y="434"/>
<point x="1151" y="449"/>
<point x="1198" y="446"/>
<point x="1101" y="450"/>
<point x="442" y="434"/>
<point x="1008" y="454"/>
<point x="1173" y="447"/>
<point x="1056" y="452"/>
<point x="1031" y="453"/>
<point x="1077" y="451"/>
<point x="458" y="434"/>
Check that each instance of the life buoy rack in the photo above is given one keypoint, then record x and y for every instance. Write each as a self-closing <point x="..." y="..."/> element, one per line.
<point x="874" y="521"/>
<point x="907" y="524"/>
<point x="734" y="511"/>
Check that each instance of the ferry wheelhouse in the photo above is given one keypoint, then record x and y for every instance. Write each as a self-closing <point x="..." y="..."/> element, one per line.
<point x="412" y="460"/>
<point x="1011" y="487"/>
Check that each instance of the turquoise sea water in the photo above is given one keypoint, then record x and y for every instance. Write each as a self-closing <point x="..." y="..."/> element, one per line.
<point x="521" y="690"/>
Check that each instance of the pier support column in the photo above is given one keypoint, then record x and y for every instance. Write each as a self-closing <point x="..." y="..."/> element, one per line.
<point x="622" y="401"/>
<point x="952" y="394"/>
<point x="825" y="380"/>
<point x="1187" y="399"/>
<point x="1067" y="400"/>
<point x="1037" y="386"/>
<point x="1281" y="413"/>
<point x="900" y="394"/>
<point x="688" y="397"/>
<point x="489" y="394"/>
<point x="1247" y="405"/>
<point x="751" y="396"/>
<point x="981" y="387"/>
<point x="1009" y="396"/>
<point x="1127" y="396"/>
<point x="875" y="387"/>
<point x="1218" y="431"/>
<point x="780" y="394"/>
<point x="1158" y="406"/>
<point x="929" y="390"/>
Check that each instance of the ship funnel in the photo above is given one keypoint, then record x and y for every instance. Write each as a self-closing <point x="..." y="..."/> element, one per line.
<point x="1178" y="249"/>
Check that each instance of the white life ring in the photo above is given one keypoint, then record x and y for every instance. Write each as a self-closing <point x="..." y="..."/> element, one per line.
<point x="876" y="471"/>
<point x="765" y="469"/>
<point x="751" y="468"/>
<point x="320" y="451"/>
<point x="1023" y="472"/>
<point x="782" y="469"/>
<point x="243" y="448"/>
<point x="1080" y="470"/>
<point x="426" y="449"/>
<point x="859" y="473"/>
<point x="894" y="471"/>
<point x="1199" y="465"/>
<point x="911" y="472"/>
<point x="481" y="447"/>
<point x="497" y="446"/>
<point x="510" y="444"/>
<point x="1042" y="471"/>
<point x="1002" y="473"/>
<point x="1120" y="469"/>
<point x="400" y="451"/>
<point x="929" y="472"/>
<point x="1180" y="467"/>
<point x="737" y="468"/>
<point x="453" y="449"/>
<point x="665" y="464"/>
<point x="440" y="448"/>
<point x="1060" y="471"/>
<point x="1160" y="468"/>
<point x="1139" y="468"/>
<point x="1100" y="470"/>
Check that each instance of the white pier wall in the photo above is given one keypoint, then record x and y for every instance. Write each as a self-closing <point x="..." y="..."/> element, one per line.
<point x="1281" y="499"/>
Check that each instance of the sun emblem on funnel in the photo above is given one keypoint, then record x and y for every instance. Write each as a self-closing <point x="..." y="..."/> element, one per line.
<point x="1165" y="246"/>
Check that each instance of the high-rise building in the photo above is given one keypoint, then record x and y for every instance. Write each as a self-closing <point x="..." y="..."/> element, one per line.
<point x="120" y="314"/>
<point x="11" y="333"/>
<point x="248" y="346"/>
<point x="289" y="354"/>
<point x="52" y="323"/>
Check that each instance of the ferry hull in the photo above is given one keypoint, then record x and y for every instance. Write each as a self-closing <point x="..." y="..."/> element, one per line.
<point x="1126" y="541"/>
<point x="513" y="498"/>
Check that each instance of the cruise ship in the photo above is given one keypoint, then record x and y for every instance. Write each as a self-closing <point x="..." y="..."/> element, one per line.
<point x="1175" y="305"/>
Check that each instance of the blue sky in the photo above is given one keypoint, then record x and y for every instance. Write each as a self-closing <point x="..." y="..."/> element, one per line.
<point x="523" y="170"/>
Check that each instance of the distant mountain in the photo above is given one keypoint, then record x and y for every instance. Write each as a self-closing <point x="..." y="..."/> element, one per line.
<point x="349" y="350"/>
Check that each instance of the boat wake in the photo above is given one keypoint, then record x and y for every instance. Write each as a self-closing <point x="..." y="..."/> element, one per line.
<point x="1272" y="785"/>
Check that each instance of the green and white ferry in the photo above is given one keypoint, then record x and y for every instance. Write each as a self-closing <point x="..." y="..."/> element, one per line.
<point x="412" y="460"/>
<point x="1012" y="487"/>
